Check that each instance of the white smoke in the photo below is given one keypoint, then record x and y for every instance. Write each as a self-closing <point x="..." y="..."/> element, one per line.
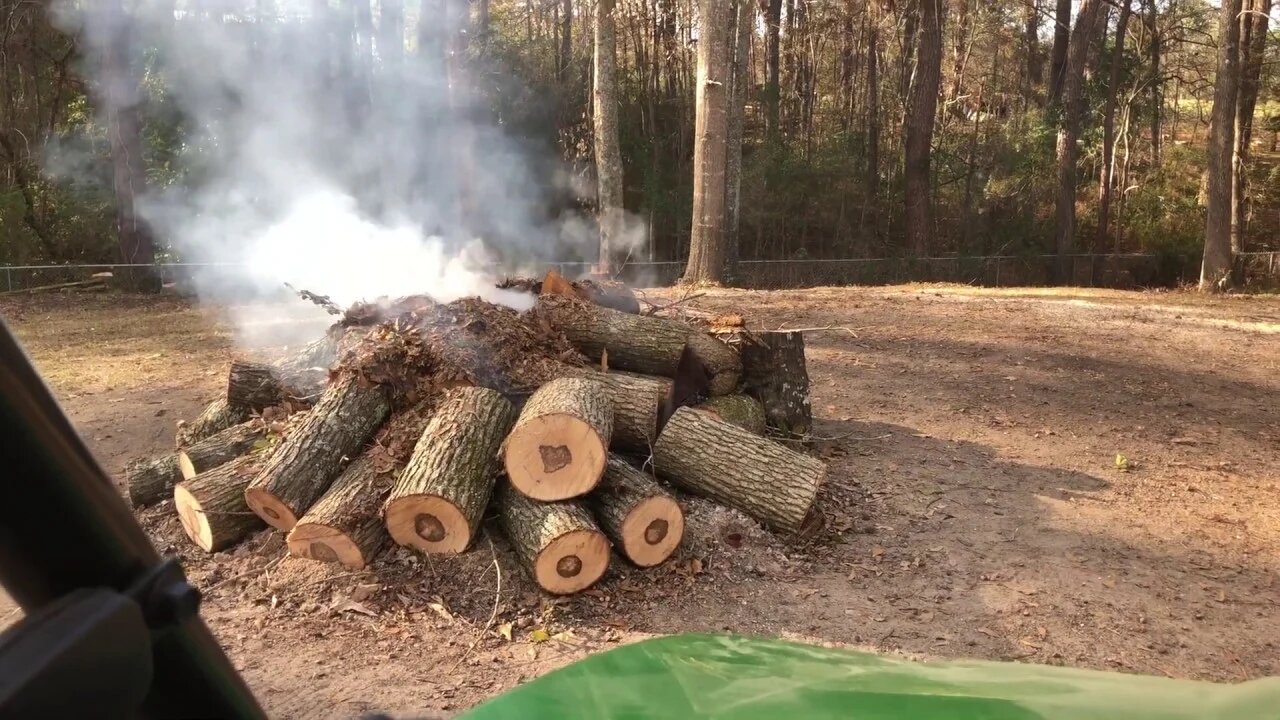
<point x="351" y="174"/>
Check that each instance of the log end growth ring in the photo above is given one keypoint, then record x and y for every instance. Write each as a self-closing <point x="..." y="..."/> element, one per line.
<point x="194" y="521"/>
<point x="555" y="457"/>
<point x="270" y="508"/>
<point x="652" y="531"/>
<point x="572" y="562"/>
<point x="325" y="544"/>
<point x="428" y="523"/>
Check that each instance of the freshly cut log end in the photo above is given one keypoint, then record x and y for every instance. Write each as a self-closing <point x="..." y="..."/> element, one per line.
<point x="644" y="521"/>
<point x="303" y="465"/>
<point x="742" y="410"/>
<point x="151" y="480"/>
<point x="216" y="417"/>
<point x="345" y="526"/>
<point x="774" y="371"/>
<point x="219" y="449"/>
<point x="212" y="509"/>
<point x="439" y="499"/>
<point x="636" y="401"/>
<point x="558" y="543"/>
<point x="560" y="444"/>
<point x="734" y="467"/>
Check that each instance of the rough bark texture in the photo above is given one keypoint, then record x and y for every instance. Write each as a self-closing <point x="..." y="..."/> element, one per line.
<point x="639" y="343"/>
<point x="922" y="110"/>
<point x="1253" y="45"/>
<point x="707" y="251"/>
<point x="774" y="372"/>
<point x="303" y="465"/>
<point x="1106" y="181"/>
<point x="565" y="426"/>
<point x="608" y="152"/>
<point x="642" y="519"/>
<point x="773" y="86"/>
<point x="216" y="417"/>
<point x="744" y="25"/>
<point x="537" y="528"/>
<point x="1215" y="272"/>
<point x="742" y="410"/>
<point x="736" y="468"/>
<point x="211" y="505"/>
<point x="254" y="385"/>
<point x="636" y="400"/>
<point x="1058" y="58"/>
<point x="1073" y="106"/>
<point x="345" y="525"/>
<point x="219" y="449"/>
<point x="151" y="480"/>
<point x="300" y="378"/>
<point x="439" y="498"/>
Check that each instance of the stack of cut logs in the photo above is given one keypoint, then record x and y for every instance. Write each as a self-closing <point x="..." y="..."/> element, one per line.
<point x="346" y="464"/>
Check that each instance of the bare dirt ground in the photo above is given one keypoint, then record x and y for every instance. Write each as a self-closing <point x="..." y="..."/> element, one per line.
<point x="976" y="506"/>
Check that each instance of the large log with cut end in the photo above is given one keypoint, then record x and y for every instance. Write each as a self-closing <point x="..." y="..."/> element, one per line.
<point x="211" y="505"/>
<point x="644" y="521"/>
<point x="558" y="543"/>
<point x="775" y="373"/>
<point x="639" y="343"/>
<point x="219" y="449"/>
<point x="439" y="499"/>
<point x="303" y="465"/>
<point x="151" y="480"/>
<point x="345" y="525"/>
<point x="300" y="378"/>
<point x="254" y="385"/>
<point x="216" y="417"/>
<point x="742" y="410"/>
<point x="737" y="468"/>
<point x="558" y="448"/>
<point x="636" y="400"/>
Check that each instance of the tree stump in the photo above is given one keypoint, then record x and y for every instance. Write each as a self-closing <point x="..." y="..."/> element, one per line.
<point x="440" y="497"/>
<point x="302" y="466"/>
<point x="216" y="417"/>
<point x="219" y="449"/>
<point x="345" y="525"/>
<point x="774" y="372"/>
<point x="151" y="480"/>
<point x="558" y="543"/>
<point x="742" y="410"/>
<point x="558" y="448"/>
<point x="644" y="521"/>
<point x="211" y="505"/>
<point x="736" y="468"/>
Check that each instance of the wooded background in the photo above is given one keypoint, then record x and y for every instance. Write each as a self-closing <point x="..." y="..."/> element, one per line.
<point x="785" y="129"/>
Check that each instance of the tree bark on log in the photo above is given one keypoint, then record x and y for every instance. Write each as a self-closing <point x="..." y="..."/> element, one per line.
<point x="345" y="525"/>
<point x="640" y="343"/>
<point x="636" y="401"/>
<point x="727" y="464"/>
<point x="211" y="505"/>
<point x="742" y="410"/>
<point x="440" y="497"/>
<point x="303" y="465"/>
<point x="558" y="543"/>
<point x="301" y="378"/>
<point x="254" y="385"/>
<point x="219" y="449"/>
<point x="216" y="417"/>
<point x="644" y="521"/>
<point x="151" y="480"/>
<point x="558" y="448"/>
<point x="774" y="372"/>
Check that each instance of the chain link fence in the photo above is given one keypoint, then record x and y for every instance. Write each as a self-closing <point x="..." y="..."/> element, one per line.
<point x="1256" y="270"/>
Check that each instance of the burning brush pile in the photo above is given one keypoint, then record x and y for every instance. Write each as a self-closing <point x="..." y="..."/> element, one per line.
<point x="577" y="423"/>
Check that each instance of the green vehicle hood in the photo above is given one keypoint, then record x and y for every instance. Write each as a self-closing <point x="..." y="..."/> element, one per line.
<point x="735" y="678"/>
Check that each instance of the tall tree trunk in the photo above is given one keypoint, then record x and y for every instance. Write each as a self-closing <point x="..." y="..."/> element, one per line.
<point x="1157" y="81"/>
<point x="873" y="100"/>
<point x="921" y="113"/>
<point x="1253" y="45"/>
<point x="122" y="98"/>
<point x="1106" y="183"/>
<point x="1058" y="60"/>
<point x="744" y="22"/>
<point x="608" y="152"/>
<point x="773" y="51"/>
<point x="707" y="251"/>
<point x="1034" y="56"/>
<point x="566" y="40"/>
<point x="1215" y="273"/>
<point x="1073" y="102"/>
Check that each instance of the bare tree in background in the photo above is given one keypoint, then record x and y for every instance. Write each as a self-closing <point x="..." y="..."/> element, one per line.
<point x="707" y="251"/>
<point x="743" y="22"/>
<point x="773" y="73"/>
<point x="1107" y="179"/>
<point x="1253" y="46"/>
<point x="1058" y="58"/>
<point x="608" y="154"/>
<point x="1215" y="272"/>
<point x="1073" y="106"/>
<point x="922" y="109"/>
